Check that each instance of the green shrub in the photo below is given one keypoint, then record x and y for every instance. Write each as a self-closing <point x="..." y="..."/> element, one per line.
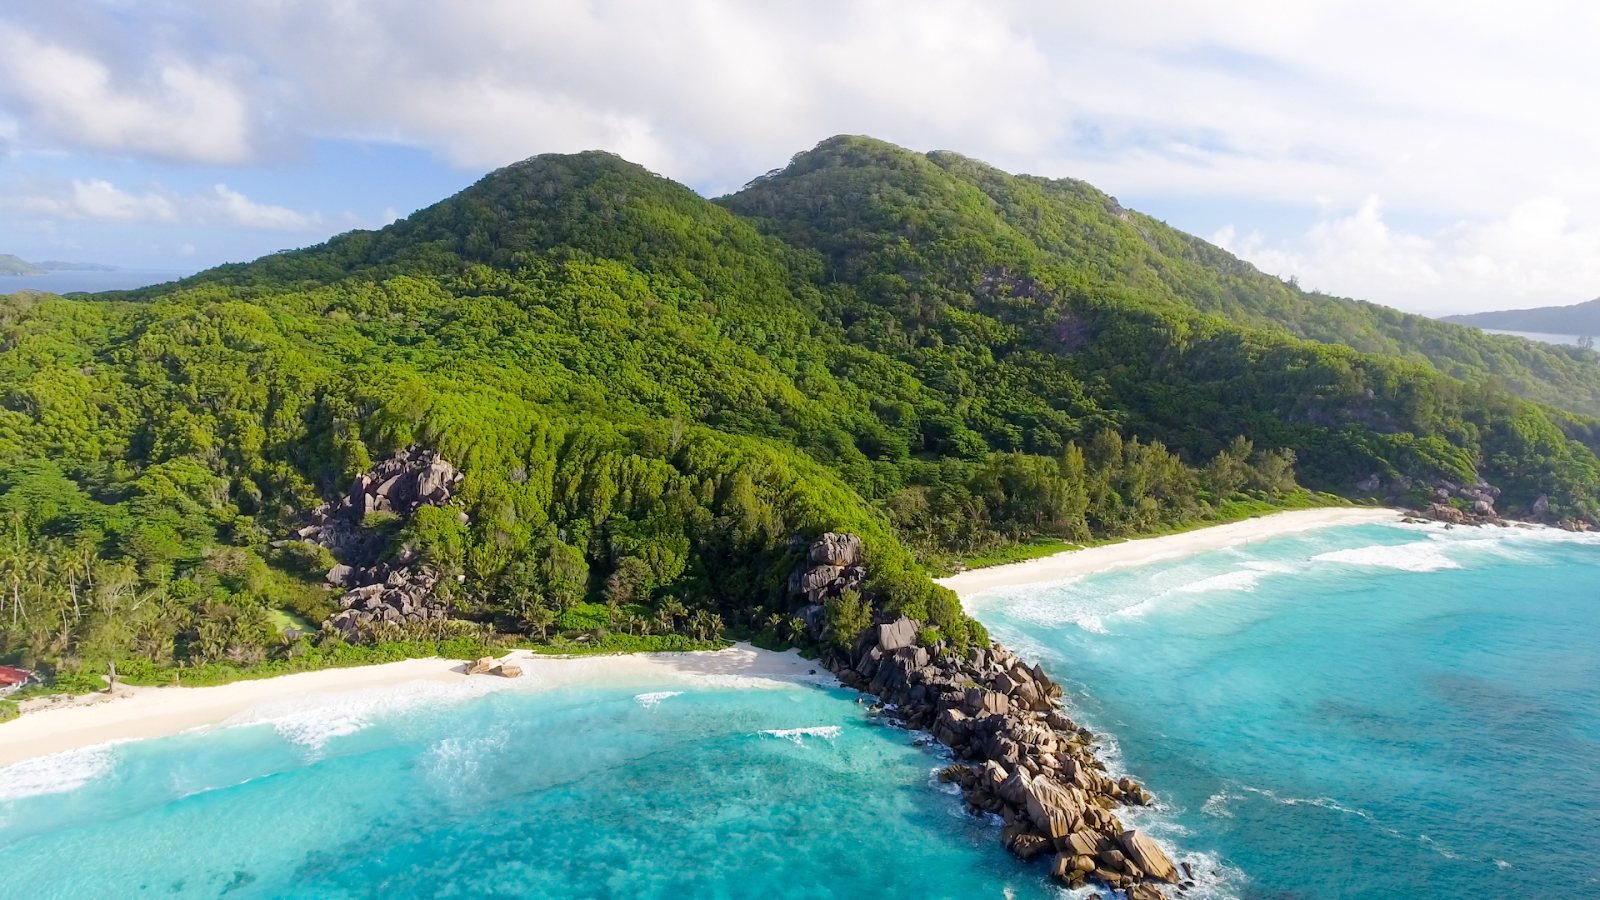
<point x="8" y="711"/>
<point x="584" y="617"/>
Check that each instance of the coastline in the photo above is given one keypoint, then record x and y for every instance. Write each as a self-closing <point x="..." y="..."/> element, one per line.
<point x="1143" y="551"/>
<point x="143" y="713"/>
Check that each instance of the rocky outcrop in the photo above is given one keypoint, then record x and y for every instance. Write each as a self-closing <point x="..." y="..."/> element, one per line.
<point x="832" y="566"/>
<point x="401" y="485"/>
<point x="1019" y="756"/>
<point x="377" y="593"/>
<point x="382" y="595"/>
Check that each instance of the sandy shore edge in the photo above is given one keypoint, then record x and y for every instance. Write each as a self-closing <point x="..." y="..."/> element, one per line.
<point x="136" y="713"/>
<point x="1143" y="551"/>
<point x="141" y="713"/>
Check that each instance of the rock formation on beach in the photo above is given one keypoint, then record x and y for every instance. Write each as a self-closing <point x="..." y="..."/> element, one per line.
<point x="1020" y="756"/>
<point x="379" y="592"/>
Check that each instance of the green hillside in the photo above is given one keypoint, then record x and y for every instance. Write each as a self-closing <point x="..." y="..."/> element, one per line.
<point x="652" y="395"/>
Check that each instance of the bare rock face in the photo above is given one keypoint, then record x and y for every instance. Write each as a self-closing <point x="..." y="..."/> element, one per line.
<point x="1147" y="856"/>
<point x="401" y="484"/>
<point x="378" y="593"/>
<point x="836" y="550"/>
<point x="392" y="596"/>
<point x="832" y="566"/>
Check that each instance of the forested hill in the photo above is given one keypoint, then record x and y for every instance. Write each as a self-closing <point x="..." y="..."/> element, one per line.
<point x="1579" y="319"/>
<point x="1093" y="240"/>
<point x="657" y="400"/>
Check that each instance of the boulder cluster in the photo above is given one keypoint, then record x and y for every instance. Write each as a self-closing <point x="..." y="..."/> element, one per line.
<point x="831" y="567"/>
<point x="380" y="594"/>
<point x="1019" y="756"/>
<point x="376" y="592"/>
<point x="401" y="484"/>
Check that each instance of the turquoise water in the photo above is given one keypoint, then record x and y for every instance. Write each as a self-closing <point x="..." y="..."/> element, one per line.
<point x="1373" y="711"/>
<point x="569" y="794"/>
<point x="1368" y="711"/>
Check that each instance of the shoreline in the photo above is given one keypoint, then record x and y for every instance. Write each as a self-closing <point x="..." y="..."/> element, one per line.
<point x="144" y="713"/>
<point x="1143" y="551"/>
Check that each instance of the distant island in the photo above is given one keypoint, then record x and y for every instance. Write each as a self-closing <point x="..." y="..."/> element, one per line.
<point x="15" y="265"/>
<point x="1580" y="318"/>
<point x="11" y="265"/>
<point x="56" y="265"/>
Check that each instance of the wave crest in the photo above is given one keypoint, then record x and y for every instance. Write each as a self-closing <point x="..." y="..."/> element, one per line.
<point x="798" y="735"/>
<point x="57" y="773"/>
<point x="1420" y="556"/>
<point x="652" y="699"/>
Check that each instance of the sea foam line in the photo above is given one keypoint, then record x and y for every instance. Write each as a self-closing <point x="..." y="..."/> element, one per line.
<point x="653" y="699"/>
<point x="312" y="720"/>
<point x="57" y="773"/>
<point x="798" y="735"/>
<point x="1420" y="556"/>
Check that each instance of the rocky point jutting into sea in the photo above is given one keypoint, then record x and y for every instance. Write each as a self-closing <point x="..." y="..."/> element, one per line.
<point x="1023" y="758"/>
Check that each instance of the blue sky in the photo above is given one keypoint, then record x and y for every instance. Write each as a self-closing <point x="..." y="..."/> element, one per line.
<point x="1435" y="156"/>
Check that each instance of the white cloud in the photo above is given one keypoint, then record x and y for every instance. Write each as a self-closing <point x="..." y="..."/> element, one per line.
<point x="1535" y="255"/>
<point x="1469" y="112"/>
<point x="100" y="200"/>
<point x="175" y="110"/>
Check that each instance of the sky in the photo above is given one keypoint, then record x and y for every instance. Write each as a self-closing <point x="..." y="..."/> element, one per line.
<point x="1433" y="156"/>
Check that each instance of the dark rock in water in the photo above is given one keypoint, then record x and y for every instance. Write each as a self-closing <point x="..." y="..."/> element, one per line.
<point x="1029" y="846"/>
<point x="1023" y="759"/>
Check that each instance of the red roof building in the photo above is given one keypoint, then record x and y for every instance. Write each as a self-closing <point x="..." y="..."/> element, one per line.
<point x="12" y="679"/>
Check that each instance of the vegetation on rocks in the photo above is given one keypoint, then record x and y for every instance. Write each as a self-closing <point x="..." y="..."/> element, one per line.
<point x="651" y="396"/>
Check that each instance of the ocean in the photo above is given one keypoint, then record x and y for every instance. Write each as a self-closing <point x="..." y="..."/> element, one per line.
<point x="68" y="282"/>
<point x="1370" y="711"/>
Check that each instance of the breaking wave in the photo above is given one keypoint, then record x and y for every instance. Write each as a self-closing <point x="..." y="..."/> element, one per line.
<point x="1420" y="556"/>
<point x="653" y="699"/>
<point x="57" y="773"/>
<point x="798" y="735"/>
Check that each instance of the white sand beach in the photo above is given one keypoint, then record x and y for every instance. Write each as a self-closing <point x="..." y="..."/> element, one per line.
<point x="1143" y="551"/>
<point x="139" y="713"/>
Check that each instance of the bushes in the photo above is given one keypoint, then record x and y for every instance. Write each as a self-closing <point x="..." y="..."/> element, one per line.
<point x="8" y="711"/>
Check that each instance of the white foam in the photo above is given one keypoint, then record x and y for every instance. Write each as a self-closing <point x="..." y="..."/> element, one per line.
<point x="57" y="773"/>
<point x="1267" y="565"/>
<point x="312" y="720"/>
<point x="1237" y="580"/>
<point x="1421" y="556"/>
<point x="1092" y="624"/>
<point x="455" y="762"/>
<point x="798" y="735"/>
<point x="653" y="699"/>
<point x="1217" y="805"/>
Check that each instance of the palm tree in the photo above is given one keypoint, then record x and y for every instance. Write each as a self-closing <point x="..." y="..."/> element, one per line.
<point x="539" y="616"/>
<point x="671" y="610"/>
<point x="699" y="624"/>
<point x="797" y="629"/>
<point x="774" y="622"/>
